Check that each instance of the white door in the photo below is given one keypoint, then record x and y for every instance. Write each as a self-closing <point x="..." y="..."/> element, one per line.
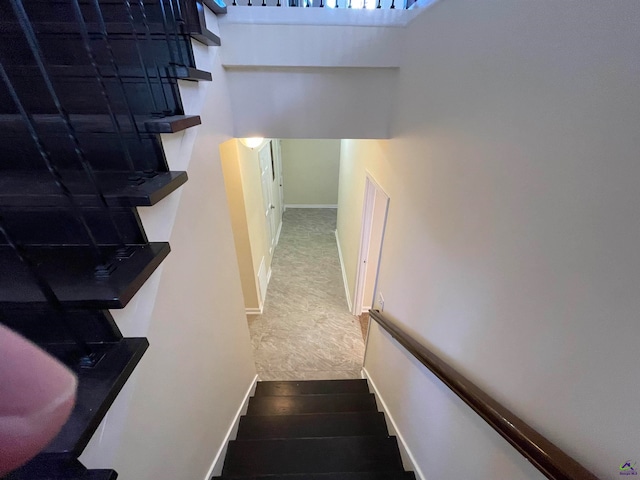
<point x="267" y="178"/>
<point x="277" y="192"/>
<point x="374" y="219"/>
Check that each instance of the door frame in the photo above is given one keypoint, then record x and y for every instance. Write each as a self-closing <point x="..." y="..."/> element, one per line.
<point x="276" y="152"/>
<point x="369" y="252"/>
<point x="267" y="194"/>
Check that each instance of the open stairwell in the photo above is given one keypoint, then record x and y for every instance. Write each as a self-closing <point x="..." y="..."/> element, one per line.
<point x="325" y="430"/>
<point x="86" y="89"/>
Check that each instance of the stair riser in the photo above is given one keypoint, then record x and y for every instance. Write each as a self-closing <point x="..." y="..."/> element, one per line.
<point x="353" y="454"/>
<point x="293" y="405"/>
<point x="90" y="325"/>
<point x="39" y="190"/>
<point x="47" y="226"/>
<point x="104" y="152"/>
<point x="329" y="476"/>
<point x="308" y="426"/>
<point x="70" y="50"/>
<point x="62" y="10"/>
<point x="311" y="387"/>
<point x="85" y="96"/>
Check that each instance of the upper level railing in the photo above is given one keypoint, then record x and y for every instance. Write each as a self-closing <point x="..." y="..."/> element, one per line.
<point x="331" y="4"/>
<point x="544" y="455"/>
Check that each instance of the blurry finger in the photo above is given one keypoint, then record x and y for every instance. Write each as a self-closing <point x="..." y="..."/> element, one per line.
<point x="37" y="394"/>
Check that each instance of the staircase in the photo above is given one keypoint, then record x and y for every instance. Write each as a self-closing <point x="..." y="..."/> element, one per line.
<point x="86" y="89"/>
<point x="325" y="430"/>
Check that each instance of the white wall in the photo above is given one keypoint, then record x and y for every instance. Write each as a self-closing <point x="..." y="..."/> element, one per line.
<point x="299" y="72"/>
<point x="310" y="171"/>
<point x="232" y="172"/>
<point x="512" y="240"/>
<point x="174" y="412"/>
<point x="303" y="102"/>
<point x="298" y="44"/>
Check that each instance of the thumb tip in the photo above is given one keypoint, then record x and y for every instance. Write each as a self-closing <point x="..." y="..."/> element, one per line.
<point x="37" y="397"/>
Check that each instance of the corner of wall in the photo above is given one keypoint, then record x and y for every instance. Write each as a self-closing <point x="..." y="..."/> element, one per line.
<point x="344" y="274"/>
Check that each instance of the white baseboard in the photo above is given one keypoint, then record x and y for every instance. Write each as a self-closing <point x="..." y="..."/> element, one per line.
<point x="309" y="205"/>
<point x="254" y="311"/>
<point x="344" y="274"/>
<point x="218" y="461"/>
<point x="407" y="456"/>
<point x="279" y="232"/>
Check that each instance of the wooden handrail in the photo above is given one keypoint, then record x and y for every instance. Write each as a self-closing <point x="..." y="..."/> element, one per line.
<point x="544" y="455"/>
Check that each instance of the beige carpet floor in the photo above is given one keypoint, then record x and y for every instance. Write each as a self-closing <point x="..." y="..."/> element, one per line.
<point x="306" y="331"/>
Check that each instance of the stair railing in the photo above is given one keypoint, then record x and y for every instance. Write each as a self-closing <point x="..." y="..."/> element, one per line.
<point x="549" y="459"/>
<point x="70" y="129"/>
<point x="331" y="4"/>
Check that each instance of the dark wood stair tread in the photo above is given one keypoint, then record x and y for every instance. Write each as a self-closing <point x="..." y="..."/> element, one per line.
<point x="116" y="30"/>
<point x="59" y="27"/>
<point x="317" y="403"/>
<point x="93" y="326"/>
<point x="38" y="189"/>
<point x="97" y="123"/>
<point x="216" y="6"/>
<point x="326" y="476"/>
<point x="126" y="72"/>
<point x="312" y="425"/>
<point x="312" y="455"/>
<point x="70" y="273"/>
<point x="32" y="472"/>
<point x="171" y="124"/>
<point x="101" y="475"/>
<point x="97" y="389"/>
<point x="311" y="387"/>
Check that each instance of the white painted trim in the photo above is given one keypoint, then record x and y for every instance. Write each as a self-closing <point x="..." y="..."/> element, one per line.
<point x="269" y="277"/>
<point x="344" y="273"/>
<point x="216" y="469"/>
<point x="254" y="311"/>
<point x="262" y="289"/>
<point x="408" y="456"/>
<point x="279" y="232"/>
<point x="309" y="205"/>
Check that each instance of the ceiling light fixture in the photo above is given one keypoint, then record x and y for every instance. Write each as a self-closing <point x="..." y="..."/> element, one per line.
<point x="252" y="142"/>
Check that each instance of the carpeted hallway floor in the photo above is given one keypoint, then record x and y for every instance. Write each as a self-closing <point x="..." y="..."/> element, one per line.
<point x="306" y="331"/>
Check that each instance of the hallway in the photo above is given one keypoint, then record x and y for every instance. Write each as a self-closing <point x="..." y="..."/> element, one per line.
<point x="306" y="331"/>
